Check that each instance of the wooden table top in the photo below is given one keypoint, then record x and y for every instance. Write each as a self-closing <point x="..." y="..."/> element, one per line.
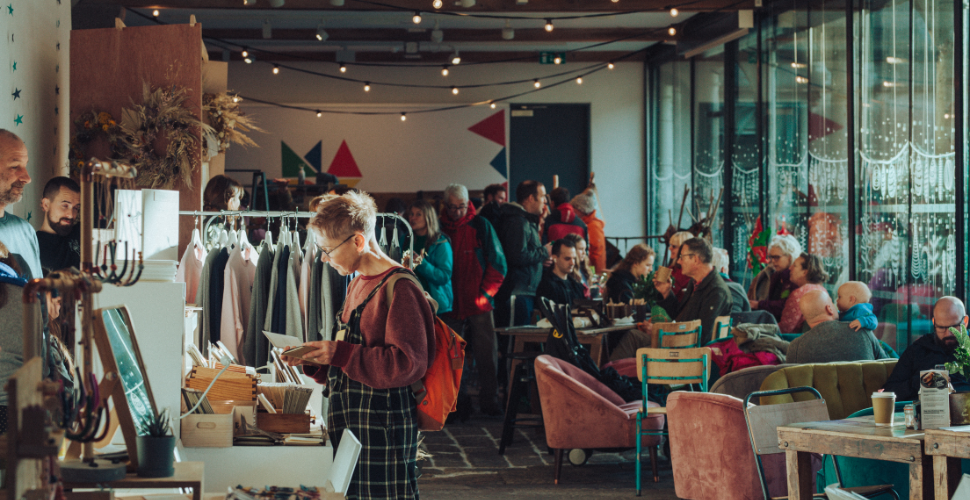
<point x="949" y="441"/>
<point x="187" y="474"/>
<point x="858" y="427"/>
<point x="538" y="330"/>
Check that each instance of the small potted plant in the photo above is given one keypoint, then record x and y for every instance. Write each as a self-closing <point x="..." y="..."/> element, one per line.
<point x="156" y="449"/>
<point x="960" y="401"/>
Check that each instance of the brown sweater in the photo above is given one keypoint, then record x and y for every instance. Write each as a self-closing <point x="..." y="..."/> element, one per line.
<point x="398" y="343"/>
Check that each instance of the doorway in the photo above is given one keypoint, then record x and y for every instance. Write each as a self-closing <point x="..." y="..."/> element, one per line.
<point x="547" y="140"/>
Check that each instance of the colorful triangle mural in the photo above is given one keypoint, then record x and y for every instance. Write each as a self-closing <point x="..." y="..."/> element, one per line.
<point x="344" y="167"/>
<point x="292" y="163"/>
<point x="492" y="128"/>
<point x="314" y="157"/>
<point x="500" y="164"/>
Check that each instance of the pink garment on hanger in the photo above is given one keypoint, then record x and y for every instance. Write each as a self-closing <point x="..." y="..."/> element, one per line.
<point x="190" y="270"/>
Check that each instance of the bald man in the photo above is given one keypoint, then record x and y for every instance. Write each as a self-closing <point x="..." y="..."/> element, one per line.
<point x="830" y="339"/>
<point x="16" y="233"/>
<point x="932" y="349"/>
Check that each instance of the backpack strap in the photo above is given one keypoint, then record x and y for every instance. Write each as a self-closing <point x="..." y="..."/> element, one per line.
<point x="418" y="388"/>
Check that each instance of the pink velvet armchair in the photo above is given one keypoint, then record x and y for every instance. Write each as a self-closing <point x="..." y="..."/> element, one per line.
<point x="709" y="448"/>
<point x="580" y="412"/>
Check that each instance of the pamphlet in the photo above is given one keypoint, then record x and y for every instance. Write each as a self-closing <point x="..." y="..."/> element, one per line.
<point x="934" y="396"/>
<point x="291" y="346"/>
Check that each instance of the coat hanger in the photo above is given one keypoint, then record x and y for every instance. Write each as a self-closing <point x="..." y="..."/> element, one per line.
<point x="231" y="239"/>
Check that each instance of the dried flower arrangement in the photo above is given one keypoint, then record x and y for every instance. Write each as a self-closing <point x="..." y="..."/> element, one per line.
<point x="90" y="127"/>
<point x="228" y="122"/>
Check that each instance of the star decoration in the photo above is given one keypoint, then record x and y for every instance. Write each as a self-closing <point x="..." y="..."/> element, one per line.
<point x="58" y="45"/>
<point x="56" y="110"/>
<point x="57" y="90"/>
<point x="15" y="65"/>
<point x="19" y="120"/>
<point x="57" y="68"/>
<point x="16" y="94"/>
<point x="10" y="9"/>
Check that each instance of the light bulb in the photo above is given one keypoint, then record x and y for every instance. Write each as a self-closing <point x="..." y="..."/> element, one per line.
<point x="536" y="83"/>
<point x="492" y="105"/>
<point x="416" y="18"/>
<point x="455" y="58"/>
<point x="454" y="90"/>
<point x="248" y="59"/>
<point x="609" y="65"/>
<point x="245" y="53"/>
<point x="155" y="13"/>
<point x="579" y="80"/>
<point x="437" y="4"/>
<point x="343" y="68"/>
<point x="235" y="99"/>
<point x="319" y="113"/>
<point x="557" y="60"/>
<point x="367" y="87"/>
<point x="404" y="116"/>
<point x="674" y="12"/>
<point x="276" y="69"/>
<point x="672" y="31"/>
<point x="444" y="70"/>
<point x="322" y="34"/>
<point x="548" y="24"/>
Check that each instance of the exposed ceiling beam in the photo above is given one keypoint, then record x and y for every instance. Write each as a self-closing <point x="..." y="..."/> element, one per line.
<point x="481" y="6"/>
<point x="339" y="35"/>
<point x="433" y="57"/>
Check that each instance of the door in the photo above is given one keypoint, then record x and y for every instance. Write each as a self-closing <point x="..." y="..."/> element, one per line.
<point x="547" y="140"/>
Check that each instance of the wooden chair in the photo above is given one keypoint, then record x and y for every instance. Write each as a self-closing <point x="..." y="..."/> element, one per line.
<point x="722" y="329"/>
<point x="763" y="422"/>
<point x="669" y="367"/>
<point x="679" y="335"/>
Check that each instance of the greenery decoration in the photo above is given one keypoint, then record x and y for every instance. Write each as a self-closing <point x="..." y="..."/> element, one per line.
<point x="644" y="289"/>
<point x="962" y="352"/>
<point x="91" y="127"/>
<point x="163" y="118"/>
<point x="228" y="123"/>
<point x="158" y="424"/>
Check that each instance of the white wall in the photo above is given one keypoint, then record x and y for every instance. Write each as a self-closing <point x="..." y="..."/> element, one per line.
<point x="615" y="98"/>
<point x="32" y="33"/>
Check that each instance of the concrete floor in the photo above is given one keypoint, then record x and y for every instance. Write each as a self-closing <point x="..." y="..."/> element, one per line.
<point x="465" y="464"/>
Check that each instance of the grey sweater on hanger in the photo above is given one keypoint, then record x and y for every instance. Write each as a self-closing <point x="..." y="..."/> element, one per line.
<point x="254" y="343"/>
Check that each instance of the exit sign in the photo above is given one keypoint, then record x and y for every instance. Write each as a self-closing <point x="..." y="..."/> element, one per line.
<point x="552" y="57"/>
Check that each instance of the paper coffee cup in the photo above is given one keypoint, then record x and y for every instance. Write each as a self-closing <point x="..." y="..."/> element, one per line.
<point x="663" y="274"/>
<point x="883" y="408"/>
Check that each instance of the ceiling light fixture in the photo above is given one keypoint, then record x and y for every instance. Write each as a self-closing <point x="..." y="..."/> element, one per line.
<point x="343" y="68"/>
<point x="319" y="113"/>
<point x="454" y="90"/>
<point x="437" y="4"/>
<point x="549" y="25"/>
<point x="557" y="60"/>
<point x="672" y="31"/>
<point x="455" y="58"/>
<point x="609" y="65"/>
<point x="248" y="58"/>
<point x="674" y="12"/>
<point x="366" y="86"/>
<point x="245" y="53"/>
<point x="404" y="116"/>
<point x="537" y="83"/>
<point x="249" y="2"/>
<point x="492" y="105"/>
<point x="155" y="13"/>
<point x="276" y="69"/>
<point x="235" y="98"/>
<point x="436" y="34"/>
<point x="508" y="33"/>
<point x="579" y="80"/>
<point x="444" y="70"/>
<point x="417" y="17"/>
<point x="322" y="34"/>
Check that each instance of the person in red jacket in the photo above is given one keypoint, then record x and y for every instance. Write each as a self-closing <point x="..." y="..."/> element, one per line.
<point x="585" y="205"/>
<point x="477" y="273"/>
<point x="563" y="219"/>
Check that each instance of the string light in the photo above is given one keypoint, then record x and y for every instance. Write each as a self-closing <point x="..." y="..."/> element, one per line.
<point x="404" y="116"/>
<point x="155" y="13"/>
<point x="579" y="80"/>
<point x="245" y="53"/>
<point x="549" y="25"/>
<point x="674" y="12"/>
<point x="366" y="86"/>
<point x="235" y="99"/>
<point x="536" y="83"/>
<point x="454" y="90"/>
<point x="343" y="68"/>
<point x="319" y="113"/>
<point x="609" y="65"/>
<point x="557" y="60"/>
<point x="455" y="58"/>
<point x="249" y="59"/>
<point x="417" y="17"/>
<point x="492" y="105"/>
<point x="276" y="69"/>
<point x="444" y="70"/>
<point x="437" y="4"/>
<point x="322" y="34"/>
<point x="672" y="31"/>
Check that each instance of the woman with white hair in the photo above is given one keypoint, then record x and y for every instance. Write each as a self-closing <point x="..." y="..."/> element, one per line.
<point x="783" y="249"/>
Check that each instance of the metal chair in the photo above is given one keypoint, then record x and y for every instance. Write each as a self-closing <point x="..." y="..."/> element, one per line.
<point x="763" y="422"/>
<point x="722" y="329"/>
<point x="679" y="335"/>
<point x="667" y="367"/>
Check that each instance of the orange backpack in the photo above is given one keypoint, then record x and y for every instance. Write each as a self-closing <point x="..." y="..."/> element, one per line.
<point x="437" y="392"/>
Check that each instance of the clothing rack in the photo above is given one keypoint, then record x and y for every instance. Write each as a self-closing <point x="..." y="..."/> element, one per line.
<point x="282" y="214"/>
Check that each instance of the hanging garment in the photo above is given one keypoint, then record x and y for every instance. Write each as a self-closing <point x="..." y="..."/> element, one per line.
<point x="190" y="269"/>
<point x="217" y="285"/>
<point x="254" y="351"/>
<point x="239" y="277"/>
<point x="202" y="300"/>
<point x="273" y="283"/>
<point x="314" y="304"/>
<point x="279" y="299"/>
<point x="306" y="272"/>
<point x="293" y="318"/>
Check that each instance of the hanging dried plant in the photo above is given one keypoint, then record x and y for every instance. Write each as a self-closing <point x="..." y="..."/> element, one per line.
<point x="91" y="127"/>
<point x="228" y="122"/>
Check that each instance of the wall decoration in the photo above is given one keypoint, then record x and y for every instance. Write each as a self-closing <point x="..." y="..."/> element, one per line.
<point x="229" y="124"/>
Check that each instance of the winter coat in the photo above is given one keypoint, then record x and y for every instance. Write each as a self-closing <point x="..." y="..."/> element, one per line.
<point x="435" y="272"/>
<point x="597" y="240"/>
<point x="704" y="301"/>
<point x="562" y="221"/>
<point x="924" y="354"/>
<point x="619" y="287"/>
<point x="778" y="292"/>
<point x="518" y="231"/>
<point x="478" y="268"/>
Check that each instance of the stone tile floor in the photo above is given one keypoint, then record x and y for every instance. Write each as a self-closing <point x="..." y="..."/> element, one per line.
<point x="465" y="464"/>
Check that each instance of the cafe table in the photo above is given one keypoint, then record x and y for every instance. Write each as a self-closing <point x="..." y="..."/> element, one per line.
<point x="593" y="338"/>
<point x="854" y="437"/>
<point x="947" y="446"/>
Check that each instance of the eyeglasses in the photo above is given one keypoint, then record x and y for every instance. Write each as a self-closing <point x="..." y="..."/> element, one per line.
<point x="947" y="328"/>
<point x="775" y="257"/>
<point x="334" y="249"/>
<point x="685" y="255"/>
<point x="456" y="208"/>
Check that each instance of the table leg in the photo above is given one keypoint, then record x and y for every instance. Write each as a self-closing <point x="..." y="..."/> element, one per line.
<point x="799" y="475"/>
<point x="515" y="345"/>
<point x="946" y="476"/>
<point x="921" y="478"/>
<point x="596" y="350"/>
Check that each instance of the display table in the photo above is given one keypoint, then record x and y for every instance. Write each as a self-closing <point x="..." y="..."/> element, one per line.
<point x="853" y="437"/>
<point x="947" y="446"/>
<point x="260" y="466"/>
<point x="187" y="475"/>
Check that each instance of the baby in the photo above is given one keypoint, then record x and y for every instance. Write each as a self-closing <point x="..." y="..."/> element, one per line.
<point x="854" y="306"/>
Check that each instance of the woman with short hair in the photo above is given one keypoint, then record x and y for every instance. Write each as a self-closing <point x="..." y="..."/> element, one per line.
<point x="807" y="274"/>
<point x="637" y="263"/>
<point x="783" y="249"/>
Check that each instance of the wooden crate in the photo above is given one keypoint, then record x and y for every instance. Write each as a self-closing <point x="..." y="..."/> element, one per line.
<point x="207" y="431"/>
<point x="284" y="423"/>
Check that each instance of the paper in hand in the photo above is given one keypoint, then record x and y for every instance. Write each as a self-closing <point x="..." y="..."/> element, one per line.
<point x="291" y="346"/>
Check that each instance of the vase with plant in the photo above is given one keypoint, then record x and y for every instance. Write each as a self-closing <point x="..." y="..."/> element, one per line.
<point x="156" y="448"/>
<point x="960" y="401"/>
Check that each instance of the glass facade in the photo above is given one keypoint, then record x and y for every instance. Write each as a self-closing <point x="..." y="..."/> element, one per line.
<point x="842" y="131"/>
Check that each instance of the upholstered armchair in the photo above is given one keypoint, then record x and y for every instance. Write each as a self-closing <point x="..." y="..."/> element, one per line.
<point x="580" y="412"/>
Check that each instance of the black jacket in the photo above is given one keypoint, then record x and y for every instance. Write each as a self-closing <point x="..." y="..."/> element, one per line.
<point x="620" y="286"/>
<point x="560" y="291"/>
<point x="924" y="354"/>
<point x="518" y="231"/>
<point x="704" y="301"/>
<point x="739" y="298"/>
<point x="491" y="212"/>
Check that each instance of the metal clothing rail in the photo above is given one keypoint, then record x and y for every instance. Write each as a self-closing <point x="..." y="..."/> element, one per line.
<point x="283" y="214"/>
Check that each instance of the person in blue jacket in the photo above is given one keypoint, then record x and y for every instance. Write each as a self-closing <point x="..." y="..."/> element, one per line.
<point x="432" y="256"/>
<point x="854" y="306"/>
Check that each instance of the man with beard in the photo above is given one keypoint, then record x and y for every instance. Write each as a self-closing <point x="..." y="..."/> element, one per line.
<point x="829" y="339"/>
<point x="15" y="232"/>
<point x="60" y="236"/>
<point x="930" y="350"/>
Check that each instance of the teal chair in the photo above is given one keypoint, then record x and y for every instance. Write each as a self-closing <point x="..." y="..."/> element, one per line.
<point x="722" y="330"/>
<point x="683" y="335"/>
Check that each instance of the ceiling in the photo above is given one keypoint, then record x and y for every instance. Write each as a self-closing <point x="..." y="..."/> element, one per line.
<point x="376" y="31"/>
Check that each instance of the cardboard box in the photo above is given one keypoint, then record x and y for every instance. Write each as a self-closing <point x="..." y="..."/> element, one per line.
<point x="207" y="431"/>
<point x="284" y="423"/>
